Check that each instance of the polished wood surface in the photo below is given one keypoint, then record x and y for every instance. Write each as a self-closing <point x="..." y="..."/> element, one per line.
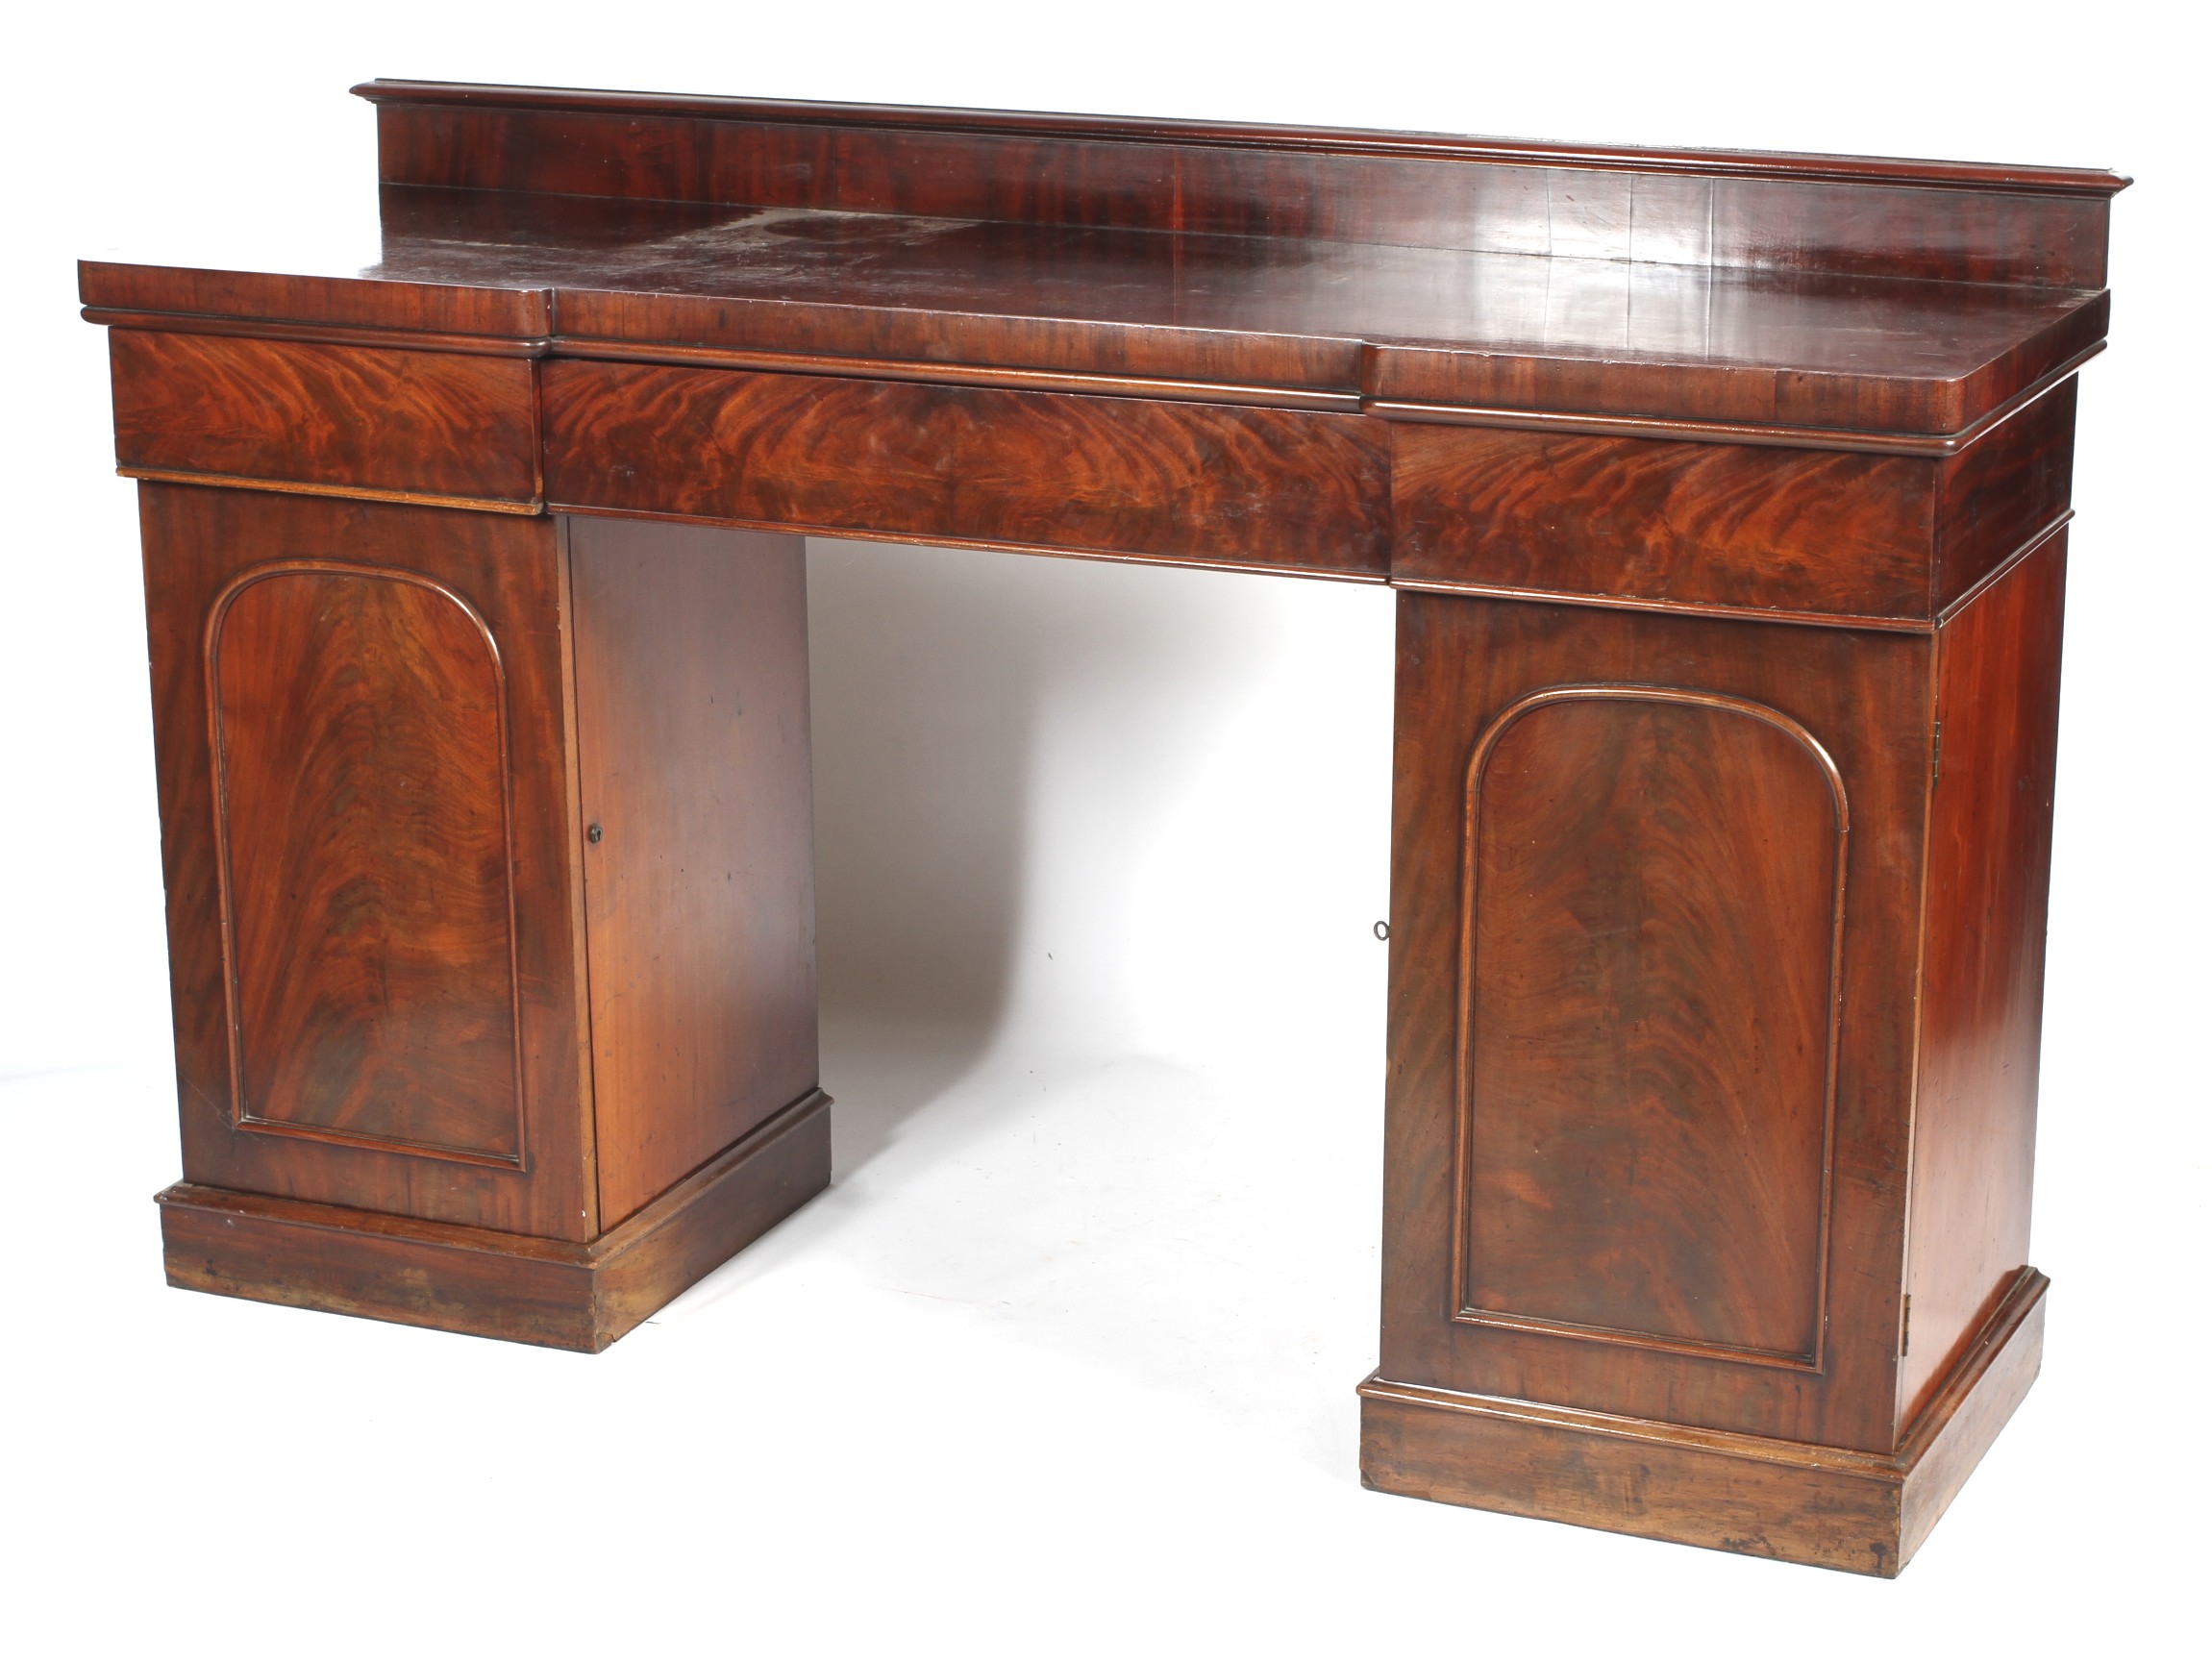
<point x="1903" y="299"/>
<point x="1966" y="220"/>
<point x="423" y="424"/>
<point x="2002" y="493"/>
<point x="698" y="862"/>
<point x="1202" y="484"/>
<point x="1982" y="1016"/>
<point x="375" y="869"/>
<point x="1617" y="1029"/>
<point x="341" y="297"/>
<point x="1761" y="1497"/>
<point x="1829" y="534"/>
<point x="1651" y="929"/>
<point x="565" y="1294"/>
<point x="1419" y="324"/>
<point x="1726" y="497"/>
<point x="365" y="833"/>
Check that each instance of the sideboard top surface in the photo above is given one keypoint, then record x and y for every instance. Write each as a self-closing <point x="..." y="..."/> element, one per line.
<point x="1375" y="270"/>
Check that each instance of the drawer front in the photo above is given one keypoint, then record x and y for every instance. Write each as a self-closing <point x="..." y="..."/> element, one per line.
<point x="1820" y="533"/>
<point x="425" y="426"/>
<point x="1190" y="483"/>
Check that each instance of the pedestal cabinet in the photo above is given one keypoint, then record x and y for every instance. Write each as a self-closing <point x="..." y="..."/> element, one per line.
<point x="488" y="861"/>
<point x="1713" y="1058"/>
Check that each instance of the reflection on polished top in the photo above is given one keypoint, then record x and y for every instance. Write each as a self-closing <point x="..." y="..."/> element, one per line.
<point x="1328" y="267"/>
<point x="1313" y="295"/>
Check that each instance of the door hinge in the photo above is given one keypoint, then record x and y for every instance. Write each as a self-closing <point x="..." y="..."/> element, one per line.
<point x="1904" y="1331"/>
<point x="1936" y="755"/>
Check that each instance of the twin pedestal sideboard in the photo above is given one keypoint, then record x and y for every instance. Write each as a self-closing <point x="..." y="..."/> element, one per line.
<point x="1725" y="499"/>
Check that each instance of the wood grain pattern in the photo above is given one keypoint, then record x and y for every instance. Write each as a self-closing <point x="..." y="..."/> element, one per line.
<point x="711" y="1215"/>
<point x="693" y="754"/>
<point x="2002" y="491"/>
<point x="1949" y="219"/>
<point x="1764" y="435"/>
<point x="1651" y="926"/>
<point x="315" y="333"/>
<point x="1706" y="524"/>
<point x="564" y="1295"/>
<point x="941" y="374"/>
<point x="430" y="423"/>
<point x="358" y="721"/>
<point x="1188" y="483"/>
<point x="1862" y="696"/>
<point x="400" y="94"/>
<point x="385" y="920"/>
<point x="1982" y="1016"/>
<point x="1723" y="750"/>
<point x="1844" y="371"/>
<point x="1988" y="1382"/>
<point x="1482" y="1452"/>
<point x="348" y="492"/>
<point x="300" y="295"/>
<point x="1761" y="1497"/>
<point x="1392" y="322"/>
<point x="1897" y="301"/>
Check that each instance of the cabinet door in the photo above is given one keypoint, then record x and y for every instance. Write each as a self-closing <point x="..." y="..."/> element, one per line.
<point x="369" y="842"/>
<point x="1657" y="889"/>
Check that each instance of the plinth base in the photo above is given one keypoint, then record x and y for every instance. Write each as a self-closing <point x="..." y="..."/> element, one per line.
<point x="566" y="1294"/>
<point x="1833" y="1508"/>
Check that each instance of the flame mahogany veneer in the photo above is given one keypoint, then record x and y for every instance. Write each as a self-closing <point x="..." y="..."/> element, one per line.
<point x="1725" y="495"/>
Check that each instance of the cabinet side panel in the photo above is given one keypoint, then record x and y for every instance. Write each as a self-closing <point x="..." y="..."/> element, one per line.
<point x="1981" y="1019"/>
<point x="698" y="895"/>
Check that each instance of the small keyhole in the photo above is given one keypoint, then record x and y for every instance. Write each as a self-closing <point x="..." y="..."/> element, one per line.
<point x="593" y="833"/>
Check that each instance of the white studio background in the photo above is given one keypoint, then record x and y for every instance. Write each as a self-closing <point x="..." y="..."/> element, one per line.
<point x="1063" y="1363"/>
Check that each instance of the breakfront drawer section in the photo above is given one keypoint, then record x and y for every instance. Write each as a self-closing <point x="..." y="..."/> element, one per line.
<point x="1830" y="534"/>
<point x="437" y="426"/>
<point x="1181" y="483"/>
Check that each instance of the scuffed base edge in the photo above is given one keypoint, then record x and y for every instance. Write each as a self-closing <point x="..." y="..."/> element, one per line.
<point x="1833" y="1508"/>
<point x="491" y="1285"/>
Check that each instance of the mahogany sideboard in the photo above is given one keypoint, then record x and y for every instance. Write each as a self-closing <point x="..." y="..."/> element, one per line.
<point x="1725" y="499"/>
